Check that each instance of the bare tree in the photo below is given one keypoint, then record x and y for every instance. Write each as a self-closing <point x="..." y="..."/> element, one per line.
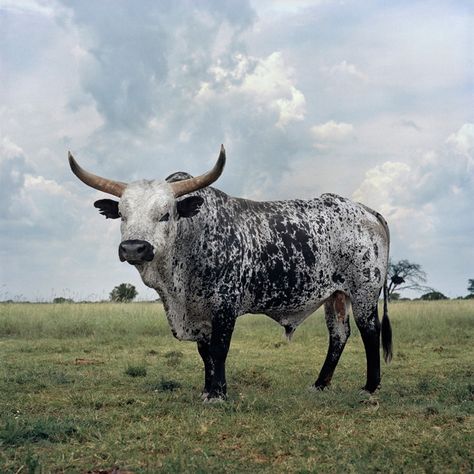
<point x="406" y="275"/>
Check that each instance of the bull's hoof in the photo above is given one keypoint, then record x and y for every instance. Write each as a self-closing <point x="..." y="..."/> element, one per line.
<point x="371" y="402"/>
<point x="370" y="388"/>
<point x="318" y="387"/>
<point x="204" y="395"/>
<point x="216" y="399"/>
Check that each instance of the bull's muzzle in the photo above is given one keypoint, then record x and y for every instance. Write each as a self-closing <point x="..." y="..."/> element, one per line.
<point x="135" y="252"/>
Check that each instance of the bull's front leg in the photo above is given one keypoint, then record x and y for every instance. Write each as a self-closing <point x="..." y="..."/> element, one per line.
<point x="203" y="349"/>
<point x="214" y="354"/>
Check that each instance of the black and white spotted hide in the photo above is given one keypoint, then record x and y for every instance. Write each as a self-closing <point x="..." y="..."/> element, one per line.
<point x="217" y="257"/>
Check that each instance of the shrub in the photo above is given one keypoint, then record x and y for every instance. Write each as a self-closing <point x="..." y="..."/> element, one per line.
<point x="123" y="293"/>
<point x="136" y="371"/>
<point x="433" y="296"/>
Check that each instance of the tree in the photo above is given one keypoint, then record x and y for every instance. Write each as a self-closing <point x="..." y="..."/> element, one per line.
<point x="433" y="296"/>
<point x="470" y="287"/>
<point x="60" y="299"/>
<point x="405" y="275"/>
<point x="123" y="293"/>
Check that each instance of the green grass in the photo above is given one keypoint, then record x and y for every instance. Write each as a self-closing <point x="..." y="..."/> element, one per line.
<point x="93" y="386"/>
<point x="136" y="370"/>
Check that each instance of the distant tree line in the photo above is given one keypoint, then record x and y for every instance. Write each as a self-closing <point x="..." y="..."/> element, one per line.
<point x="60" y="299"/>
<point x="402" y="275"/>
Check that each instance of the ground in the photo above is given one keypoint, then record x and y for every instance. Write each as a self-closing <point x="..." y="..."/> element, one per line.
<point x="92" y="386"/>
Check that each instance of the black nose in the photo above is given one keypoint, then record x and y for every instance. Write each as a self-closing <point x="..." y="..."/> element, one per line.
<point x="135" y="251"/>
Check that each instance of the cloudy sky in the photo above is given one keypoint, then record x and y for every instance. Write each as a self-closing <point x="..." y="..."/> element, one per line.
<point x="370" y="100"/>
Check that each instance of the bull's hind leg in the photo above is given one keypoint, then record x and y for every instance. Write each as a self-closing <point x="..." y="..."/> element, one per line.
<point x="367" y="320"/>
<point x="337" y="320"/>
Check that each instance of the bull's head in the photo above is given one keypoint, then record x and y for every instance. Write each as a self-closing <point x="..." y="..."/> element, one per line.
<point x="148" y="209"/>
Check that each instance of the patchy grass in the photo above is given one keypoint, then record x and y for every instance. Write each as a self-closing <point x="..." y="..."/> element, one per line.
<point x="93" y="386"/>
<point x="136" y="371"/>
<point x="17" y="431"/>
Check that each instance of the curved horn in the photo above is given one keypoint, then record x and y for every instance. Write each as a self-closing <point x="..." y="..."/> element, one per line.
<point x="115" y="188"/>
<point x="193" y="184"/>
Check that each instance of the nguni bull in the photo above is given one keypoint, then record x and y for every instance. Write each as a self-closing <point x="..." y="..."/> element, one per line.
<point x="212" y="257"/>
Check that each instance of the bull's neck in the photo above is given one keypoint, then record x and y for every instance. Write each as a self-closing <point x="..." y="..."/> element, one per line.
<point x="159" y="274"/>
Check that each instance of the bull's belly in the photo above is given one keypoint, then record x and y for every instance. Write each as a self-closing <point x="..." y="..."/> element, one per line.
<point x="291" y="298"/>
<point x="291" y="320"/>
<point x="284" y="314"/>
<point x="292" y="314"/>
<point x="290" y="293"/>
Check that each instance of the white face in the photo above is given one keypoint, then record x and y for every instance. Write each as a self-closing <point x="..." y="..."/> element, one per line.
<point x="142" y="206"/>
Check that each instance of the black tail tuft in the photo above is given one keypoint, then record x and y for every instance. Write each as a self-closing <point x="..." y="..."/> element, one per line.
<point x="386" y="328"/>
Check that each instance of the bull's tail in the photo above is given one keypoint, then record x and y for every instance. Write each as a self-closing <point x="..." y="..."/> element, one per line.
<point x="386" y="327"/>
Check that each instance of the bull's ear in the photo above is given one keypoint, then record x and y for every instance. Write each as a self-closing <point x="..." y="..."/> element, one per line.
<point x="108" y="208"/>
<point x="189" y="206"/>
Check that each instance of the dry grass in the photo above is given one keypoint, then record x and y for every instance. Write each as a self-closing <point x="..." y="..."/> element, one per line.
<point x="135" y="403"/>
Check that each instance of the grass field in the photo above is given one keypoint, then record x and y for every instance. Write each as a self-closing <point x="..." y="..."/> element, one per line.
<point x="92" y="386"/>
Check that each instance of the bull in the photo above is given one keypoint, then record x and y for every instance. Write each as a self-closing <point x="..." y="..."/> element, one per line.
<point x="212" y="257"/>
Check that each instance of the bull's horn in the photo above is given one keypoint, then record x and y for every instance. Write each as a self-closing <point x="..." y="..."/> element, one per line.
<point x="193" y="184"/>
<point x="108" y="186"/>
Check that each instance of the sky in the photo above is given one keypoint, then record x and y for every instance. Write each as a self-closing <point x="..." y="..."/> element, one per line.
<point x="370" y="100"/>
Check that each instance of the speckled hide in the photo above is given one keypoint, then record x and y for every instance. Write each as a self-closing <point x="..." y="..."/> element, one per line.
<point x="280" y="258"/>
<point x="283" y="259"/>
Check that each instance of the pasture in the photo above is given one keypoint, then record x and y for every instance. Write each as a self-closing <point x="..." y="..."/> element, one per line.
<point x="92" y="386"/>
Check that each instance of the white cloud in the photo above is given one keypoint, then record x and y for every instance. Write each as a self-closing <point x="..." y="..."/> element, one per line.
<point x="13" y="168"/>
<point x="426" y="200"/>
<point x="345" y="69"/>
<point x="463" y="140"/>
<point x="43" y="185"/>
<point x="381" y="182"/>
<point x="286" y="6"/>
<point x="9" y="150"/>
<point x="271" y="81"/>
<point x="394" y="185"/>
<point x="268" y="82"/>
<point x="292" y="108"/>
<point x="385" y="188"/>
<point x="333" y="132"/>
<point x="29" y="7"/>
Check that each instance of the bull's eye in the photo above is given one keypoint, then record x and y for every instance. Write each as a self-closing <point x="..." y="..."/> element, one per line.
<point x="165" y="217"/>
